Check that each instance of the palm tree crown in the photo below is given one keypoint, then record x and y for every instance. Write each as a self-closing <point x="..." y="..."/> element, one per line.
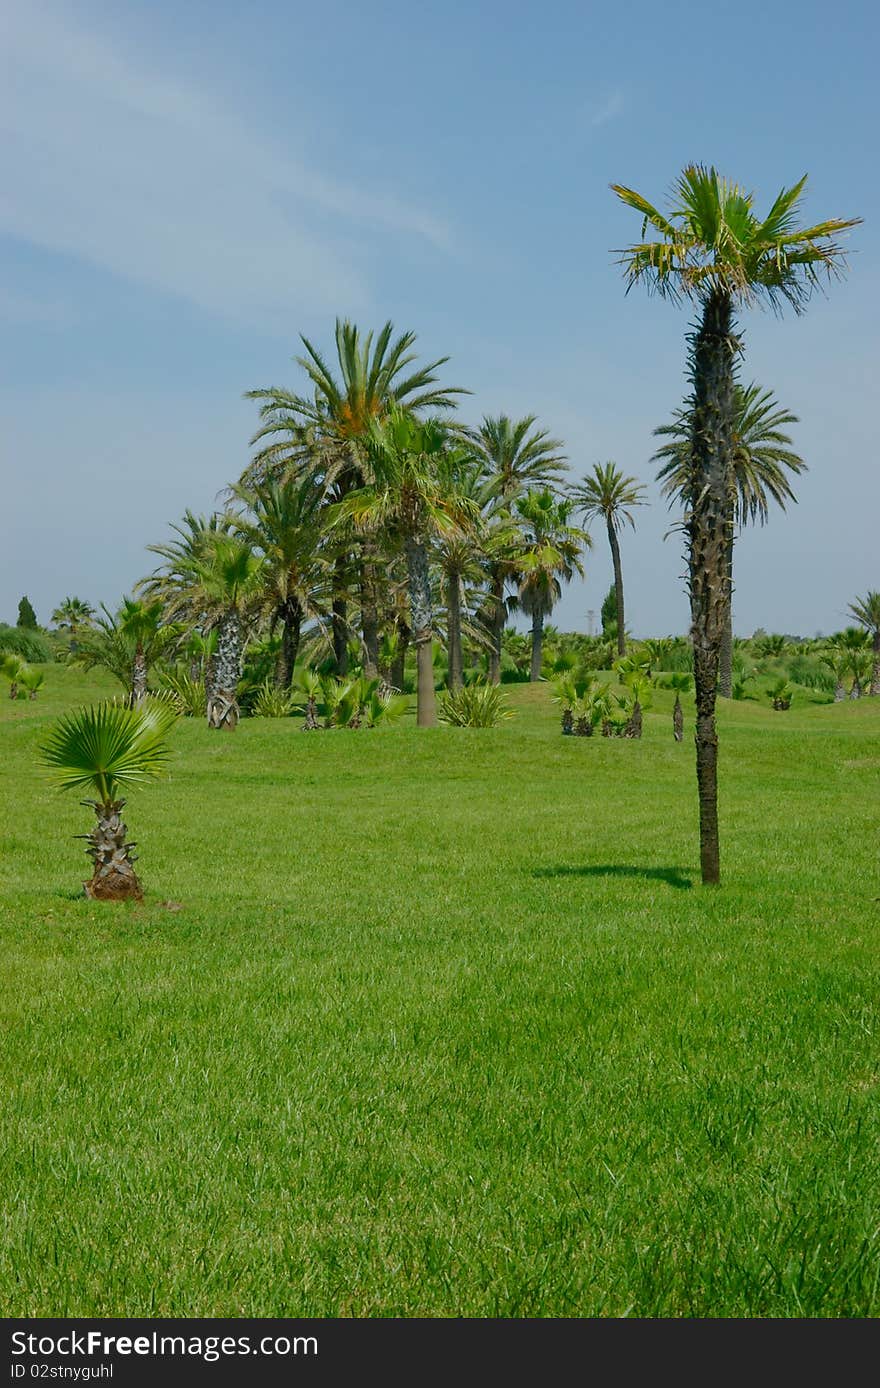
<point x="711" y="240"/>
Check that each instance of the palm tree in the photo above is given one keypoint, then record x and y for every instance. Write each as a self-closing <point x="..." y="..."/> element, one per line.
<point x="286" y="526"/>
<point x="715" y="251"/>
<point x="761" y="453"/>
<point x="324" y="433"/>
<point x="866" y="611"/>
<point x="409" y="495"/>
<point x="606" y="492"/>
<point x="680" y="681"/>
<point x="226" y="582"/>
<point x="72" y="615"/>
<point x="550" y="556"/>
<point x="514" y="455"/>
<point x="127" y="643"/>
<point x="106" y="749"/>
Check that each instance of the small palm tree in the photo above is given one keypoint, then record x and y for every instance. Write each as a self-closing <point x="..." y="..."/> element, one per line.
<point x="680" y="681"/>
<point x="866" y="611"/>
<point x="72" y="615"/>
<point x="550" y="556"/>
<point x="108" y="748"/>
<point x="127" y="643"/>
<point x="608" y="494"/>
<point x="713" y="249"/>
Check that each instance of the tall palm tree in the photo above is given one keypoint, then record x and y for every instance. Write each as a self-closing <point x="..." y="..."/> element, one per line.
<point x="607" y="493"/>
<point x="514" y="455"/>
<point x="325" y="432"/>
<point x="284" y="522"/>
<point x="459" y="557"/>
<point x="106" y="749"/>
<point x="866" y="611"/>
<point x="714" y="250"/>
<point x="409" y="495"/>
<point x="550" y="557"/>
<point x="761" y="454"/>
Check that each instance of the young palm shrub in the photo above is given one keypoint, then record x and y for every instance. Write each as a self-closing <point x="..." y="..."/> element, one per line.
<point x="272" y="701"/>
<point x="32" y="680"/>
<point x="866" y="611"/>
<point x="107" y="748"/>
<point x="186" y="692"/>
<point x="780" y="695"/>
<point x="474" y="706"/>
<point x="13" y="668"/>
<point x="570" y="690"/>
<point x="306" y="694"/>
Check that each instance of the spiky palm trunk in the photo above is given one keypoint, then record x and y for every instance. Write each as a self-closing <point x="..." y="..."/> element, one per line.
<point x="537" y="646"/>
<point x="839" y="691"/>
<point x="875" y="668"/>
<point x="634" y="726"/>
<point x="677" y="720"/>
<point x="453" y="629"/>
<point x="113" y="876"/>
<point x="709" y="526"/>
<point x="223" y="711"/>
<point x="618" y="586"/>
<point x="138" y="676"/>
<point x="725" y="675"/>
<point x="419" y="582"/>
<point x="856" y="690"/>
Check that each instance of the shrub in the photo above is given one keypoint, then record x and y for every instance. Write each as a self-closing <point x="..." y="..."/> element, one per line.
<point x="33" y="646"/>
<point x="271" y="702"/>
<point x="474" y="706"/>
<point x="187" y="696"/>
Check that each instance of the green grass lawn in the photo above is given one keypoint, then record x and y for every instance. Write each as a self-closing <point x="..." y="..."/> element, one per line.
<point x="446" y="1025"/>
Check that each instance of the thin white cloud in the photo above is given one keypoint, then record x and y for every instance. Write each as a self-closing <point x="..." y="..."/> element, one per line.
<point x="612" y="106"/>
<point x="158" y="182"/>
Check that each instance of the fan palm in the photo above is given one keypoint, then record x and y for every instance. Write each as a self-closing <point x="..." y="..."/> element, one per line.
<point x="551" y="556"/>
<point x="714" y="250"/>
<point x="761" y="455"/>
<point x="71" y="616"/>
<point x="411" y="495"/>
<point x="106" y="749"/>
<point x="608" y="494"/>
<point x="866" y="611"/>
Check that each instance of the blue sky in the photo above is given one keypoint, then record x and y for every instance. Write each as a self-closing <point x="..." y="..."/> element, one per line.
<point x="185" y="189"/>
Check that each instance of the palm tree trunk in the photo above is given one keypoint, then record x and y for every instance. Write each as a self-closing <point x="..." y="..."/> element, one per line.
<point x="497" y="628"/>
<point x="839" y="691"/>
<point x="618" y="586"/>
<point x="708" y="529"/>
<point x="537" y="646"/>
<point x="875" y="669"/>
<point x="113" y="876"/>
<point x="223" y="711"/>
<point x="725" y="677"/>
<point x="421" y="620"/>
<point x="677" y="720"/>
<point x="453" y="630"/>
<point x="340" y="615"/>
<point x="291" y="624"/>
<point x="138" y="677"/>
<point x="369" y="614"/>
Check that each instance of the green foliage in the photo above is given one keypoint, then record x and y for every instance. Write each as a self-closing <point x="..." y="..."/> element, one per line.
<point x="271" y="702"/>
<point x="474" y="706"/>
<point x="108" y="747"/>
<point x="33" y="646"/>
<point x="27" y="617"/>
<point x="32" y="680"/>
<point x="608" y="614"/>
<point x="188" y="695"/>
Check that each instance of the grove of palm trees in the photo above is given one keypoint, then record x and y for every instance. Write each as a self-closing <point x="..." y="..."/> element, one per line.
<point x="446" y="1007"/>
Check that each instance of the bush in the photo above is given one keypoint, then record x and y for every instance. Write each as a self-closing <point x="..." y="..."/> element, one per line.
<point x="33" y="646"/>
<point x="272" y="702"/>
<point x="474" y="706"/>
<point x="188" y="696"/>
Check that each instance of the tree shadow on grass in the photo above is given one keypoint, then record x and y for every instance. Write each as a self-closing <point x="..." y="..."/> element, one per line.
<point x="673" y="876"/>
